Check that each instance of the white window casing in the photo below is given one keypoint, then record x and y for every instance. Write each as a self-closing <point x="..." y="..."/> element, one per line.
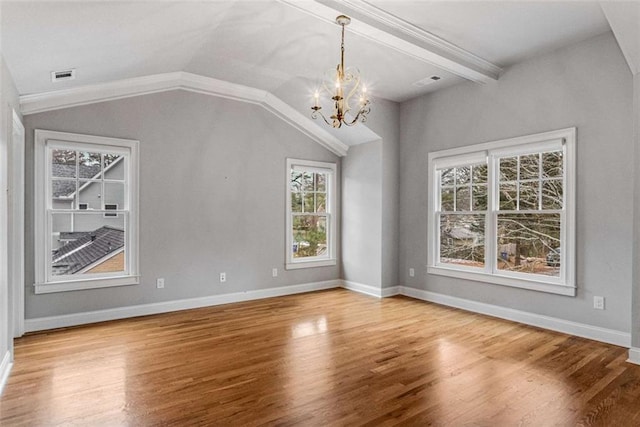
<point x="329" y="258"/>
<point x="563" y="140"/>
<point x="128" y="151"/>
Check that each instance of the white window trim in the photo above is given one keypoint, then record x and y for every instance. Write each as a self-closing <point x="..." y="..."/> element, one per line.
<point x="42" y="201"/>
<point x="566" y="283"/>
<point x="308" y="262"/>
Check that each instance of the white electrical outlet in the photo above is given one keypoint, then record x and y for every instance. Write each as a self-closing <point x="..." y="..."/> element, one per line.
<point x="598" y="303"/>
<point x="412" y="272"/>
<point x="160" y="282"/>
<point x="223" y="277"/>
<point x="274" y="272"/>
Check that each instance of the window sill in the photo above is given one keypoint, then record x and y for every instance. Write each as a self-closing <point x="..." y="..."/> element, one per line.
<point x="534" y="285"/>
<point x="77" y="285"/>
<point x="309" y="264"/>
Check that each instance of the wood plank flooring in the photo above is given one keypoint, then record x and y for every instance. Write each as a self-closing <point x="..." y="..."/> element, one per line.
<point x="318" y="359"/>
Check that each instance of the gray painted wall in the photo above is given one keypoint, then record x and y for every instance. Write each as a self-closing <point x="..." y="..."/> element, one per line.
<point x="362" y="214"/>
<point x="587" y="85"/>
<point x="370" y="202"/>
<point x="212" y="197"/>
<point x="385" y="121"/>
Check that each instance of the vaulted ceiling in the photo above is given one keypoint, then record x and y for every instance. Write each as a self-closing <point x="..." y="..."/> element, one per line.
<point x="273" y="45"/>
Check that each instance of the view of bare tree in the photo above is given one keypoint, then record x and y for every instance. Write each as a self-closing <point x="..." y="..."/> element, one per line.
<point x="528" y="217"/>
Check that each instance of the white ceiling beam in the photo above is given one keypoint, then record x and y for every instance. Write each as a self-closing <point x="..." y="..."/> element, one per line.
<point x="384" y="28"/>
<point x="90" y="94"/>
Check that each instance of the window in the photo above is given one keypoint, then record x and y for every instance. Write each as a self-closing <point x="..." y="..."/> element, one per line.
<point x="503" y="212"/>
<point x="110" y="207"/>
<point x="86" y="212"/>
<point x="311" y="222"/>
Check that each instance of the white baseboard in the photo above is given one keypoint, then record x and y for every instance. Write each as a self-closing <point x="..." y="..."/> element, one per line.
<point x="5" y="369"/>
<point x="579" y="329"/>
<point x="634" y="355"/>
<point x="371" y="290"/>
<point x="52" y="322"/>
<point x="390" y="291"/>
<point x="362" y="288"/>
<point x="566" y="326"/>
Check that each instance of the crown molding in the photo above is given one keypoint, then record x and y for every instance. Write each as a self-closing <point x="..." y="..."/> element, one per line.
<point x="90" y="94"/>
<point x="389" y="30"/>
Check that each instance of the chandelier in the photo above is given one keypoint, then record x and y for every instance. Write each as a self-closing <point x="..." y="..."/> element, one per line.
<point x="340" y="85"/>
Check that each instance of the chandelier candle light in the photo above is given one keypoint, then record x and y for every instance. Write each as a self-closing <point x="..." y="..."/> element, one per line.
<point x="339" y="82"/>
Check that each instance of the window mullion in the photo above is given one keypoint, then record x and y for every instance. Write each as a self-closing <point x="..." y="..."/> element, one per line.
<point x="493" y="200"/>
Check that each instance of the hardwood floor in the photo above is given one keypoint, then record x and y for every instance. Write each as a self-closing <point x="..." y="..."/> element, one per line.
<point x="324" y="358"/>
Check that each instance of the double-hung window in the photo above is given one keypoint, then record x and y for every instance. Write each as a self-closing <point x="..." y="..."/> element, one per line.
<point x="311" y="221"/>
<point x="504" y="212"/>
<point x="86" y="211"/>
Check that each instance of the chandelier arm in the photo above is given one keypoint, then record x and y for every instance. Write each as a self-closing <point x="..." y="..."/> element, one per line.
<point x="315" y="114"/>
<point x="362" y="115"/>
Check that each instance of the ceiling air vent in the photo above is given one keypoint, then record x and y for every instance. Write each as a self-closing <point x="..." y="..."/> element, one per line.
<point x="427" y="81"/>
<point x="57" y="76"/>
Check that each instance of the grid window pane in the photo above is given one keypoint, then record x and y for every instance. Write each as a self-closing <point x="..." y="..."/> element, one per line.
<point x="508" y="196"/>
<point x="321" y="182"/>
<point x="307" y="181"/>
<point x="552" y="164"/>
<point x="90" y="194"/>
<point x="321" y="202"/>
<point x="309" y="203"/>
<point x="552" y="194"/>
<point x="463" y="199"/>
<point x="529" y="166"/>
<point x="63" y="163"/>
<point x="479" y="174"/>
<point x="114" y="194"/>
<point x="296" y="181"/>
<point x="113" y="165"/>
<point x="296" y="202"/>
<point x="62" y="190"/>
<point x="89" y="165"/>
<point x="509" y="169"/>
<point x="479" y="197"/>
<point x="463" y="175"/>
<point x="447" y="177"/>
<point x="446" y="199"/>
<point x="528" y="194"/>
